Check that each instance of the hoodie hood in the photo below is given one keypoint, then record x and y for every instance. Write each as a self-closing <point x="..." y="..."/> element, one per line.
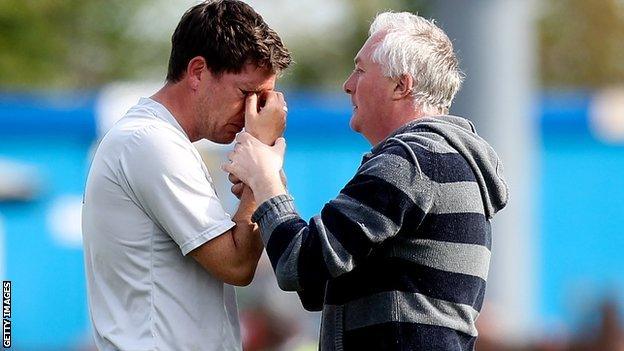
<point x="460" y="134"/>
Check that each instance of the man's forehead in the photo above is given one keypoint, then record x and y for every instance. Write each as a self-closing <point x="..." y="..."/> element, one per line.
<point x="362" y="57"/>
<point x="367" y="49"/>
<point x="256" y="78"/>
<point x="359" y="57"/>
<point x="258" y="85"/>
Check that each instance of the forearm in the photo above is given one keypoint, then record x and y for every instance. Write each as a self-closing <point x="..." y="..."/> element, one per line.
<point x="266" y="137"/>
<point x="268" y="187"/>
<point x="330" y="245"/>
<point x="233" y="256"/>
<point x="293" y="275"/>
<point x="293" y="246"/>
<point x="246" y="236"/>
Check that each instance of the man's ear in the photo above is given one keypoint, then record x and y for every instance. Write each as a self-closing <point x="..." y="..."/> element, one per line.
<point x="404" y="87"/>
<point x="195" y="70"/>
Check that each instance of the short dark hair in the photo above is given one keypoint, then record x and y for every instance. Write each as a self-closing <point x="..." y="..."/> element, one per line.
<point x="228" y="34"/>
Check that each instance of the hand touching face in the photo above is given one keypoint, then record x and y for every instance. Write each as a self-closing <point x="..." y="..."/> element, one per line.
<point x="267" y="121"/>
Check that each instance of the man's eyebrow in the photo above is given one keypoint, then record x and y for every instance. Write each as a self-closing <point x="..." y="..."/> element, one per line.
<point x="251" y="90"/>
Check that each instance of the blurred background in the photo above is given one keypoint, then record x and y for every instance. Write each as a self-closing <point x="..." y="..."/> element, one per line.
<point x="545" y="85"/>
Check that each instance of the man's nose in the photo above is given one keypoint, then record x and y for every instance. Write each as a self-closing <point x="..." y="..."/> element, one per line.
<point x="347" y="86"/>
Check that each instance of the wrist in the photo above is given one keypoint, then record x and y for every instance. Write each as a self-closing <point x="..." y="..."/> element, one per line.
<point x="246" y="207"/>
<point x="263" y="137"/>
<point x="267" y="140"/>
<point x="267" y="186"/>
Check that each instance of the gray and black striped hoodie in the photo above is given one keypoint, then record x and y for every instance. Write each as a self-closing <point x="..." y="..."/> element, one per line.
<point x="399" y="259"/>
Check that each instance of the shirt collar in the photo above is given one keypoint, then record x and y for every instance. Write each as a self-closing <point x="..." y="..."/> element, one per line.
<point x="161" y="113"/>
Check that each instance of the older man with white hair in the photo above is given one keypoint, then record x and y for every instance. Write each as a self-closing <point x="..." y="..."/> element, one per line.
<point x="399" y="259"/>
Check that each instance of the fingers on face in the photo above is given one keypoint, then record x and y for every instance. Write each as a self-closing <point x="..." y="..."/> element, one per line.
<point x="274" y="101"/>
<point x="271" y="95"/>
<point x="282" y="102"/>
<point x="275" y="97"/>
<point x="251" y="105"/>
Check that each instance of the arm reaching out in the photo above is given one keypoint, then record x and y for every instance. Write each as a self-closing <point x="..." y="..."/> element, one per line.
<point x="386" y="191"/>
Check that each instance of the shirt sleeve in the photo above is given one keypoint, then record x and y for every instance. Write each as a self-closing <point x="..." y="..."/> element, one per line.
<point x="388" y="192"/>
<point x="166" y="178"/>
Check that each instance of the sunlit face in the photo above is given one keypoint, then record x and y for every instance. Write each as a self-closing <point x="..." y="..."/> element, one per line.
<point x="221" y="107"/>
<point x="371" y="93"/>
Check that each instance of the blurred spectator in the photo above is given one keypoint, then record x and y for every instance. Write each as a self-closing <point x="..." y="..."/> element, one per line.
<point x="608" y="335"/>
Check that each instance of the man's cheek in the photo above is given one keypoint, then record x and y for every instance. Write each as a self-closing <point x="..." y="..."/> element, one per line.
<point x="239" y="107"/>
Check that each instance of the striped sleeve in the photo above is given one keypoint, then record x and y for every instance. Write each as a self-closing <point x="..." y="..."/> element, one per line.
<point x="388" y="189"/>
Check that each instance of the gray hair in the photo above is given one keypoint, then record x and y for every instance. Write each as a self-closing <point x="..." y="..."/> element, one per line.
<point x="416" y="46"/>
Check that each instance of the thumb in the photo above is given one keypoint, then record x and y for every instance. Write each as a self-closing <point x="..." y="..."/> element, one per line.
<point x="280" y="145"/>
<point x="251" y="107"/>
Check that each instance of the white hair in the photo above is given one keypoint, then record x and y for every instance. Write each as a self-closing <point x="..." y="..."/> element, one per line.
<point x="416" y="46"/>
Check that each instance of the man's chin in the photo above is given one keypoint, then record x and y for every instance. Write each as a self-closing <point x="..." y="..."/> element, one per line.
<point x="354" y="125"/>
<point x="228" y="140"/>
<point x="224" y="139"/>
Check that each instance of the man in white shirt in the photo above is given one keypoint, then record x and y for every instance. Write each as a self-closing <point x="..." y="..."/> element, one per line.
<point x="158" y="244"/>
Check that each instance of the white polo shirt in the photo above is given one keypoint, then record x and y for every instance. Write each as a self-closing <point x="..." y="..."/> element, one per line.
<point x="149" y="201"/>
